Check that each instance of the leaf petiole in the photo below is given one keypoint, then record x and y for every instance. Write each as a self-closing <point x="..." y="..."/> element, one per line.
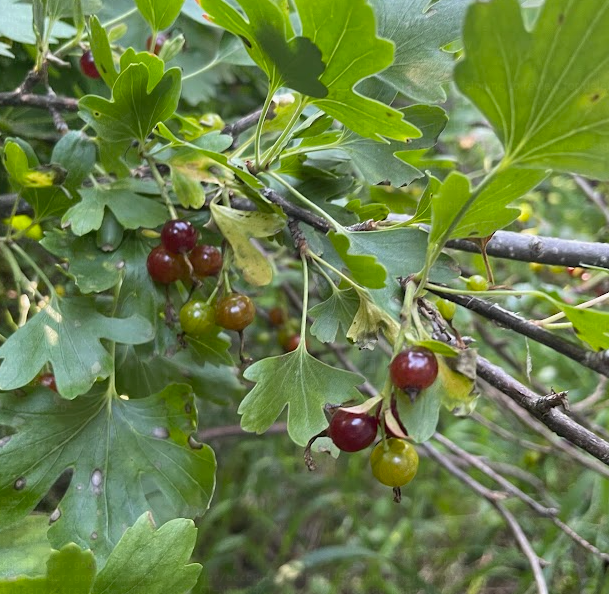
<point x="160" y="182"/>
<point x="305" y="300"/>
<point x="265" y="110"/>
<point x="43" y="277"/>
<point x="283" y="137"/>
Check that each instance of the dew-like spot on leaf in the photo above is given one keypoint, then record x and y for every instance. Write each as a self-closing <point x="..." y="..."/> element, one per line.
<point x="20" y="483"/>
<point x="5" y="440"/>
<point x="96" y="480"/>
<point x="160" y="432"/>
<point x="55" y="516"/>
<point x="93" y="535"/>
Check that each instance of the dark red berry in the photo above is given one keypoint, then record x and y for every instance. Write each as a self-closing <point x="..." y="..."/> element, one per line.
<point x="165" y="267"/>
<point x="161" y="38"/>
<point x="87" y="65"/>
<point x="206" y="260"/>
<point x="277" y="316"/>
<point x="48" y="381"/>
<point x="415" y="368"/>
<point x="179" y="237"/>
<point x="291" y="343"/>
<point x="235" y="312"/>
<point x="352" y="432"/>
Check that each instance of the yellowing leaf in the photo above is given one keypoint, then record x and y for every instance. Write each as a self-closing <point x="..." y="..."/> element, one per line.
<point x="369" y="321"/>
<point x="238" y="228"/>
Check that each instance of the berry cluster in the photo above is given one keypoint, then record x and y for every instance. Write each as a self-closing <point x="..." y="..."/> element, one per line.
<point x="169" y="262"/>
<point x="232" y="312"/>
<point x="394" y="461"/>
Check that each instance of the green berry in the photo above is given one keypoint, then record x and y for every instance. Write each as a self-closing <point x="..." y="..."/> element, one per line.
<point x="446" y="308"/>
<point x="197" y="318"/>
<point x="477" y="283"/>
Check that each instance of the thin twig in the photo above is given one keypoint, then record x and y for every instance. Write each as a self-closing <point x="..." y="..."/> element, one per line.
<point x="505" y="484"/>
<point x="597" y="395"/>
<point x="596" y="197"/>
<point x="598" y="362"/>
<point x="235" y="430"/>
<point x="493" y="497"/>
<point x="509" y="435"/>
<point x="557" y="421"/>
<point x="526" y="419"/>
<point x="48" y="102"/>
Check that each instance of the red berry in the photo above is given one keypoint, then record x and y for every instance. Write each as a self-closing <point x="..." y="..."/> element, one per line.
<point x="87" y="65"/>
<point x="291" y="343"/>
<point x="165" y="267"/>
<point x="277" y="316"/>
<point x="352" y="432"/>
<point x="48" y="381"/>
<point x="206" y="260"/>
<point x="161" y="38"/>
<point x="415" y="368"/>
<point x="179" y="236"/>
<point x="235" y="312"/>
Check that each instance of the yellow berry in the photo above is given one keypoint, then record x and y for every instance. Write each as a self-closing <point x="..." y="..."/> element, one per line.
<point x="25" y="223"/>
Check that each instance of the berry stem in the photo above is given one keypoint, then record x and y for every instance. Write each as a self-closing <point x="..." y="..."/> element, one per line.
<point x="213" y="294"/>
<point x="228" y="255"/>
<point x="160" y="182"/>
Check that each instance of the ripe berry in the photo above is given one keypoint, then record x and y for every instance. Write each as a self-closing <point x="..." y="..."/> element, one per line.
<point x="415" y="368"/>
<point x="179" y="236"/>
<point x="291" y="343"/>
<point x="446" y="308"/>
<point x="394" y="463"/>
<point x="165" y="267"/>
<point x="161" y="38"/>
<point x="87" y="65"/>
<point x="277" y="316"/>
<point x="197" y="318"/>
<point x="352" y="432"/>
<point x="235" y="312"/>
<point x="575" y="272"/>
<point x="48" y="381"/>
<point x="477" y="283"/>
<point x="206" y="260"/>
